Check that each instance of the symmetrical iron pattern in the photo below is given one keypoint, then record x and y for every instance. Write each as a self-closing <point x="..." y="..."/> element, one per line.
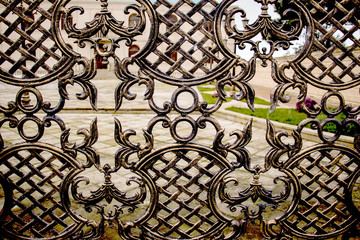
<point x="185" y="190"/>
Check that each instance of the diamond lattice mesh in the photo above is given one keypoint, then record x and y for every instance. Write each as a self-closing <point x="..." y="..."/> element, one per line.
<point x="183" y="179"/>
<point x="334" y="57"/>
<point x="27" y="46"/>
<point x="35" y="177"/>
<point x="324" y="176"/>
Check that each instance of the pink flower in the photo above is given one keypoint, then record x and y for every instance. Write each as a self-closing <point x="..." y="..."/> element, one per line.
<point x="309" y="104"/>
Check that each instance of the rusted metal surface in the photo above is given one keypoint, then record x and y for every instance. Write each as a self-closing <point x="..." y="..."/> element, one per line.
<point x="181" y="186"/>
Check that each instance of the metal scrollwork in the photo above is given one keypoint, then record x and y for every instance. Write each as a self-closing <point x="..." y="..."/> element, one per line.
<point x="313" y="189"/>
<point x="177" y="183"/>
<point x="15" y="224"/>
<point x="264" y="25"/>
<point x="255" y="191"/>
<point x="108" y="192"/>
<point x="104" y="21"/>
<point x="316" y="27"/>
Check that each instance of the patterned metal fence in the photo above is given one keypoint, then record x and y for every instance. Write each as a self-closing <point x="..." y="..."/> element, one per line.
<point x="184" y="190"/>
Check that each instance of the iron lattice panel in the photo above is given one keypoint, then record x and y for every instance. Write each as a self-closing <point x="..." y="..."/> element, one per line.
<point x="190" y="45"/>
<point x="331" y="20"/>
<point x="324" y="174"/>
<point x="29" y="50"/>
<point x="34" y="175"/>
<point x="184" y="189"/>
<point x="183" y="180"/>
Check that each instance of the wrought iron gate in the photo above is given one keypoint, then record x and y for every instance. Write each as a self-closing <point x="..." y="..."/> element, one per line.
<point x="183" y="189"/>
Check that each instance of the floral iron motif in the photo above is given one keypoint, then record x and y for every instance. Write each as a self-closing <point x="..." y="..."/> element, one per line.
<point x="183" y="189"/>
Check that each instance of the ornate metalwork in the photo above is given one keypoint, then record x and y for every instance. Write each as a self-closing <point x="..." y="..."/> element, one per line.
<point x="184" y="189"/>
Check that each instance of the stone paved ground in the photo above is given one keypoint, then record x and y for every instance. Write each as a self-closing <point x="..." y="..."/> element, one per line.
<point x="78" y="114"/>
<point x="134" y="115"/>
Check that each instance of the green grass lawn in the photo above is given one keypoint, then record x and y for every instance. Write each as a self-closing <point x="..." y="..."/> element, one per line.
<point x="284" y="115"/>
<point x="259" y="101"/>
<point x="207" y="89"/>
<point x="208" y="98"/>
<point x="291" y="116"/>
